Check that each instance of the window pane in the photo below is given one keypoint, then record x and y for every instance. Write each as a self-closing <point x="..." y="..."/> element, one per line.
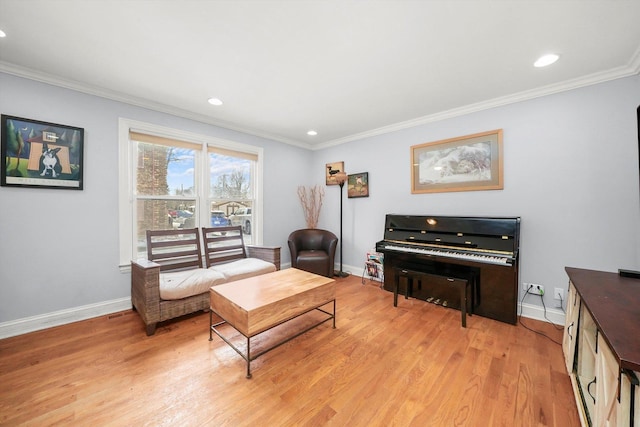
<point x="155" y="214"/>
<point x="243" y="217"/>
<point x="230" y="177"/>
<point x="164" y="170"/>
<point x="231" y="190"/>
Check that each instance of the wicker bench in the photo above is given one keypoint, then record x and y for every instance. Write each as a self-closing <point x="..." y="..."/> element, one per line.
<point x="174" y="280"/>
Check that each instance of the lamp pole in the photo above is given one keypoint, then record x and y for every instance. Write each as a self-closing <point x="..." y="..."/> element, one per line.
<point x="341" y="177"/>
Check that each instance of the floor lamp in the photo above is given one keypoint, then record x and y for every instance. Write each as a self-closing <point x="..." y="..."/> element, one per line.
<point x="341" y="178"/>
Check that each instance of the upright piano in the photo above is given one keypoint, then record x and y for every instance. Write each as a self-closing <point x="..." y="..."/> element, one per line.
<point x="482" y="248"/>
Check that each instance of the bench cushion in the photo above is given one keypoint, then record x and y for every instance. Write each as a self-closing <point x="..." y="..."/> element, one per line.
<point x="243" y="268"/>
<point x="182" y="284"/>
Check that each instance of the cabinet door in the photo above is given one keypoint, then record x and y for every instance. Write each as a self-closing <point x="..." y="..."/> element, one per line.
<point x="606" y="410"/>
<point x="636" y="415"/>
<point x="624" y="408"/>
<point x="586" y="361"/>
<point x="570" y="327"/>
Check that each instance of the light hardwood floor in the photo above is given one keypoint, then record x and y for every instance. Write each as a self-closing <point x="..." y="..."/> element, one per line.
<point x="382" y="366"/>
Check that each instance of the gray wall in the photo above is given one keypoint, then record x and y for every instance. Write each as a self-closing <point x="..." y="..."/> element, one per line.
<point x="570" y="164"/>
<point x="570" y="173"/>
<point x="59" y="248"/>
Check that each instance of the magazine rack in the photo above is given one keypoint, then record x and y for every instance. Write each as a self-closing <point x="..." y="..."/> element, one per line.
<point x="374" y="267"/>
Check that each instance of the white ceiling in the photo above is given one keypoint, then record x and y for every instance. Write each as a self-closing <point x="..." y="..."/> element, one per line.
<point x="345" y="68"/>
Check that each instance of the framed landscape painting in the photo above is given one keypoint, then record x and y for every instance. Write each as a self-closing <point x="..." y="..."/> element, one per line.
<point x="40" y="154"/>
<point x="467" y="163"/>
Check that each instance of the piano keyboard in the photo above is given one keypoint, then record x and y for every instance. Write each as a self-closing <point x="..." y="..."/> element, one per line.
<point x="489" y="259"/>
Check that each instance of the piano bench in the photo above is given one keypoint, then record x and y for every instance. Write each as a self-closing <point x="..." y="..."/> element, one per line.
<point x="463" y="285"/>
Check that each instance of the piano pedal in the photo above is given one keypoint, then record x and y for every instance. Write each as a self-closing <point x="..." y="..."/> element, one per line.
<point x="445" y="303"/>
<point x="437" y="301"/>
<point x="429" y="299"/>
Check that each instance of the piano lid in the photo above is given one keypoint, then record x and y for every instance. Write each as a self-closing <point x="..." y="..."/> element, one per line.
<point x="485" y="233"/>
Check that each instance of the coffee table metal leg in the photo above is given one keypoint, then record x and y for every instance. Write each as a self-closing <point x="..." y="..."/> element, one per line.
<point x="248" y="357"/>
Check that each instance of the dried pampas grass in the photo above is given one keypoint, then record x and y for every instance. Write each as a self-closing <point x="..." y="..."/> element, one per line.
<point x="311" y="200"/>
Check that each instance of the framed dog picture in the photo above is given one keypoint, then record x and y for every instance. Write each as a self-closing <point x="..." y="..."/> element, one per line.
<point x="358" y="185"/>
<point x="40" y="154"/>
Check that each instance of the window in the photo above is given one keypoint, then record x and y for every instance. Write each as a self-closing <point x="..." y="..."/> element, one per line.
<point x="173" y="179"/>
<point x="231" y="186"/>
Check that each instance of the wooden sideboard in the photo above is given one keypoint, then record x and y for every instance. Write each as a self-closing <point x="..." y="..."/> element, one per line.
<point x="601" y="345"/>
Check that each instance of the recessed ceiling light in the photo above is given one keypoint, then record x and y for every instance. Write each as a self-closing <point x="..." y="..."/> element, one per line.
<point x="215" y="101"/>
<point x="312" y="133"/>
<point x="545" y="60"/>
<point x="3" y="34"/>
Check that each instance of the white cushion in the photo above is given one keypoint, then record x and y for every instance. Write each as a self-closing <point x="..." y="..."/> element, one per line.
<point x="182" y="284"/>
<point x="243" y="268"/>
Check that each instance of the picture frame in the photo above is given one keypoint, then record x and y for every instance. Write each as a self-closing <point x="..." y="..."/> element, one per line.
<point x="467" y="163"/>
<point x="330" y="170"/>
<point x="358" y="185"/>
<point x="40" y="154"/>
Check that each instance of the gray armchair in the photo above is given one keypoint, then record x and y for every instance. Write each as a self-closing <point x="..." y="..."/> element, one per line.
<point x="313" y="250"/>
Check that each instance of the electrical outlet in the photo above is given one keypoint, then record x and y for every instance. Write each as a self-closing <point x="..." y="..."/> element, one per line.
<point x="533" y="288"/>
<point x="558" y="294"/>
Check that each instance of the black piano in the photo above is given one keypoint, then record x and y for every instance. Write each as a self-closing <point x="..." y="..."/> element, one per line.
<point x="481" y="249"/>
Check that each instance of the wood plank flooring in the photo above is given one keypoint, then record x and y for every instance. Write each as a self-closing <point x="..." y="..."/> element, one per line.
<point x="413" y="365"/>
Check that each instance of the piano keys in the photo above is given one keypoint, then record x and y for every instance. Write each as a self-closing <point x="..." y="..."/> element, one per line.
<point x="473" y="256"/>
<point x="485" y="249"/>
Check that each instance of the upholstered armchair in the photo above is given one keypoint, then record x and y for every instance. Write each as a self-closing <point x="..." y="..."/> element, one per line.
<point x="313" y="250"/>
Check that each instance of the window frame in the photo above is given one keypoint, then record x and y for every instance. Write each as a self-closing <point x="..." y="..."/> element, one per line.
<point x="127" y="166"/>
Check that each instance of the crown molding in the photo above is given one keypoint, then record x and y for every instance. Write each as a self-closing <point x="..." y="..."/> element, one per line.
<point x="634" y="63"/>
<point x="136" y="101"/>
<point x="631" y="69"/>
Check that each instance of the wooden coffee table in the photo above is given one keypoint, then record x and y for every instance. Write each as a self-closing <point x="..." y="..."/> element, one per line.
<point x="257" y="304"/>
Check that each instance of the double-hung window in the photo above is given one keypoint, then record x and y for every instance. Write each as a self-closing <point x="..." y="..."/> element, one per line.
<point x="171" y="179"/>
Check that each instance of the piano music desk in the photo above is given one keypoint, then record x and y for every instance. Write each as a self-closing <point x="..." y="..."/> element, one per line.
<point x="408" y="276"/>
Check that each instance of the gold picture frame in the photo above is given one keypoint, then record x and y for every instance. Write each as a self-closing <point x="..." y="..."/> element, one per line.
<point x="466" y="163"/>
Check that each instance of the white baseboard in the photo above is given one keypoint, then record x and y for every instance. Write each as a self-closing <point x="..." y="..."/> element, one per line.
<point x="62" y="317"/>
<point x="554" y="315"/>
